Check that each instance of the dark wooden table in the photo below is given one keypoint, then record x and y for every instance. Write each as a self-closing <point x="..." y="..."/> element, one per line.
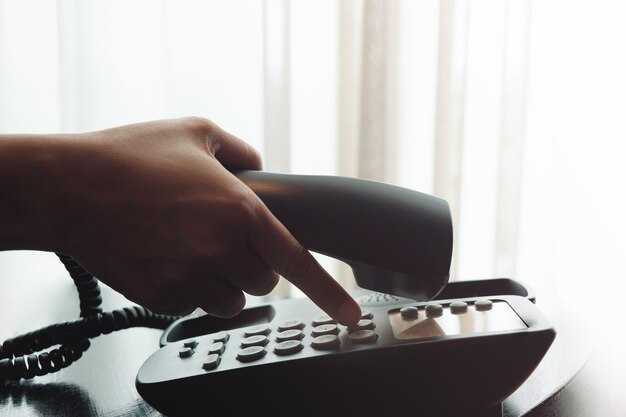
<point x="576" y="378"/>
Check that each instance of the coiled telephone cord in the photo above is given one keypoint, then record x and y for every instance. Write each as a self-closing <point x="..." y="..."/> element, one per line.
<point x="21" y="357"/>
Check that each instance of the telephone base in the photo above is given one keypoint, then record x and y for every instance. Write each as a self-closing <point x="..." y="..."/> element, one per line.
<point x="446" y="357"/>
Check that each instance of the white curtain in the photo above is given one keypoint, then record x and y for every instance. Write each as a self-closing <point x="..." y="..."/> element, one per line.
<point x="511" y="110"/>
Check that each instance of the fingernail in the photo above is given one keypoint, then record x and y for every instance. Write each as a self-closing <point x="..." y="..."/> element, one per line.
<point x="350" y="313"/>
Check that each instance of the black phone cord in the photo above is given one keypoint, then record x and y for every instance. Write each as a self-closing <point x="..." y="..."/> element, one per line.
<point x="19" y="357"/>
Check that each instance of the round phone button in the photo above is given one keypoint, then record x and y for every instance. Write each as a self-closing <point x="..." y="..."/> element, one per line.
<point x="251" y="353"/>
<point x="288" y="347"/>
<point x="326" y="341"/>
<point x="257" y="330"/>
<point x="256" y="340"/>
<point x="458" y="307"/>
<point x="217" y="347"/>
<point x="323" y="320"/>
<point x="483" y="305"/>
<point x="434" y="310"/>
<point x="363" y="336"/>
<point x="325" y="329"/>
<point x="211" y="362"/>
<point x="293" y="334"/>
<point x="290" y="325"/>
<point x="409" y="312"/>
<point x="221" y="337"/>
<point x="185" y="352"/>
<point x="364" y="324"/>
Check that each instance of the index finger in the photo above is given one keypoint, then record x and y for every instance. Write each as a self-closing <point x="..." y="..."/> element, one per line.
<point x="284" y="254"/>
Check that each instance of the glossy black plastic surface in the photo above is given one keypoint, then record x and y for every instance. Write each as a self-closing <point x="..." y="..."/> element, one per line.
<point x="434" y="375"/>
<point x="396" y="240"/>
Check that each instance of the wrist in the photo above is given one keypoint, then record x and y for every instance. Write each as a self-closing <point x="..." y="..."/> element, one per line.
<point x="33" y="190"/>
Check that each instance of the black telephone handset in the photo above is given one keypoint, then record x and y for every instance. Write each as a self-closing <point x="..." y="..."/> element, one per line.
<point x="396" y="240"/>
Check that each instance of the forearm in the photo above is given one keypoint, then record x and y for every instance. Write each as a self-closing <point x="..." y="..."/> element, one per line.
<point x="30" y="178"/>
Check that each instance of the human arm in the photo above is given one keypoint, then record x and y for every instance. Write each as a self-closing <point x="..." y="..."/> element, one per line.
<point x="153" y="211"/>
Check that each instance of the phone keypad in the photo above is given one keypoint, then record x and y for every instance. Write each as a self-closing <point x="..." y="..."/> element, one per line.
<point x="291" y="337"/>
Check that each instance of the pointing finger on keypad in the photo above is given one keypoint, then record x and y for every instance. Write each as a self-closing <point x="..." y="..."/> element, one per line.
<point x="283" y="253"/>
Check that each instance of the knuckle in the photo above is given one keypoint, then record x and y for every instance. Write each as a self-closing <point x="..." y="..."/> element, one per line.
<point x="243" y="204"/>
<point x="198" y="125"/>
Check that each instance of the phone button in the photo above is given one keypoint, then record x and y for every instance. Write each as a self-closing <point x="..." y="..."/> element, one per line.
<point x="290" y="325"/>
<point x="185" y="352"/>
<point x="251" y="353"/>
<point x="434" y="310"/>
<point x="366" y="314"/>
<point x="191" y="343"/>
<point x="217" y="347"/>
<point x="288" y="347"/>
<point x="221" y="337"/>
<point x="293" y="334"/>
<point x="258" y="330"/>
<point x="323" y="320"/>
<point x="458" y="307"/>
<point x="409" y="312"/>
<point x="483" y="305"/>
<point x="256" y="340"/>
<point x="363" y="325"/>
<point x="326" y="341"/>
<point x="211" y="362"/>
<point x="325" y="329"/>
<point x="363" y="336"/>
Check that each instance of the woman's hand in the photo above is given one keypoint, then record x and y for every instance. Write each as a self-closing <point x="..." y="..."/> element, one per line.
<point x="152" y="210"/>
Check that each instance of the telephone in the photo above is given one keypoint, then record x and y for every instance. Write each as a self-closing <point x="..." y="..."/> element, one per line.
<point x="461" y="353"/>
<point x="473" y="343"/>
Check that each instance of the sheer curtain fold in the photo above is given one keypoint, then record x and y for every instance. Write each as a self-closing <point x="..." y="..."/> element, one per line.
<point x="374" y="89"/>
<point x="451" y="97"/>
